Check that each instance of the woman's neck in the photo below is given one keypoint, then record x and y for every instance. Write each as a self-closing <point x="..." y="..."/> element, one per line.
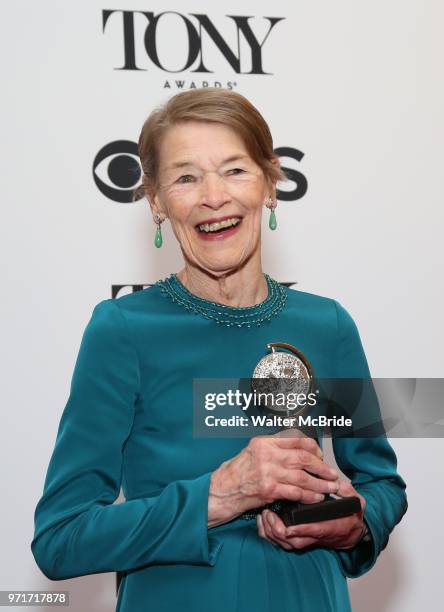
<point x="239" y="288"/>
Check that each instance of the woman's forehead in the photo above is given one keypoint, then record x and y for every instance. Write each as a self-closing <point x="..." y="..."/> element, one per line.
<point x="197" y="142"/>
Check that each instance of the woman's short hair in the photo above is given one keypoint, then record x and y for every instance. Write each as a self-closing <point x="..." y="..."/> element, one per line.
<point x="209" y="104"/>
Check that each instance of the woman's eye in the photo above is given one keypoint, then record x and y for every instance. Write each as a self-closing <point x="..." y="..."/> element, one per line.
<point x="186" y="178"/>
<point x="236" y="171"/>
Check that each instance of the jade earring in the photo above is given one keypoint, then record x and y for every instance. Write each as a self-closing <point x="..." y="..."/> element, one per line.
<point x="158" y="237"/>
<point x="271" y="204"/>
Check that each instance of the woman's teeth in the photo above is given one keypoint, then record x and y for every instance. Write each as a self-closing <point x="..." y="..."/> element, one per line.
<point x="214" y="227"/>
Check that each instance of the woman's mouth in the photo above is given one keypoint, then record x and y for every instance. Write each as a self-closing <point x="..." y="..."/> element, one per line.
<point x="218" y="230"/>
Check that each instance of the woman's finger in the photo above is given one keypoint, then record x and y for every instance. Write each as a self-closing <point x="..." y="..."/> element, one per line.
<point x="299" y="543"/>
<point x="260" y="526"/>
<point x="304" y="480"/>
<point x="261" y="530"/>
<point x="319" y="530"/>
<point x="286" y="441"/>
<point x="270" y="532"/>
<point x="273" y="527"/>
<point x="294" y="493"/>
<point x="301" y="459"/>
<point x="276" y="526"/>
<point x="346" y="489"/>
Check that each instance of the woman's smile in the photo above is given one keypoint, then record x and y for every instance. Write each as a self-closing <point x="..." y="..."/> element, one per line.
<point x="218" y="228"/>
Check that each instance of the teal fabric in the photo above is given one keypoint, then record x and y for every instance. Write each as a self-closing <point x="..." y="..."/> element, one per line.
<point x="128" y="422"/>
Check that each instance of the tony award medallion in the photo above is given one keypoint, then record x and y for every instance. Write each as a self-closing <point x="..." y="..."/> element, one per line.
<point x="282" y="373"/>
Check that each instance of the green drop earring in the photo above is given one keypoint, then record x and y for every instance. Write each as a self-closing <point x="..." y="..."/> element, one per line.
<point x="158" y="241"/>
<point x="272" y="223"/>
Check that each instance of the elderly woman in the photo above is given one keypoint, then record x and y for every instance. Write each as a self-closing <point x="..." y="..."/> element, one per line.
<point x="195" y="532"/>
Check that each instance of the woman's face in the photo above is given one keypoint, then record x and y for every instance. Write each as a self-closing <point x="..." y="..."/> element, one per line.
<point x="213" y="193"/>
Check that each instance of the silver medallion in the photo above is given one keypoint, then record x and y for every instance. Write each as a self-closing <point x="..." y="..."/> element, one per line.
<point x="279" y="374"/>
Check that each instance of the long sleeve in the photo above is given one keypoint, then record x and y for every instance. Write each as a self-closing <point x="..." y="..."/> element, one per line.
<point x="369" y="462"/>
<point x="78" y="529"/>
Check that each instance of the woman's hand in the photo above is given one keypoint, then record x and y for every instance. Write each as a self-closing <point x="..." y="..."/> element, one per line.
<point x="339" y="533"/>
<point x="269" y="468"/>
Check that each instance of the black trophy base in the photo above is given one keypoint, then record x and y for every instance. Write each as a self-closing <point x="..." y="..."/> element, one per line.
<point x="296" y="513"/>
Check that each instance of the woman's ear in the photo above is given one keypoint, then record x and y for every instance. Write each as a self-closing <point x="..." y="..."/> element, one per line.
<point x="273" y="184"/>
<point x="148" y="187"/>
<point x="276" y="162"/>
<point x="152" y="197"/>
<point x="273" y="193"/>
<point x="272" y="189"/>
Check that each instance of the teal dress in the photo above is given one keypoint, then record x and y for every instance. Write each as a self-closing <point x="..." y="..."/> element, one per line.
<point x="128" y="423"/>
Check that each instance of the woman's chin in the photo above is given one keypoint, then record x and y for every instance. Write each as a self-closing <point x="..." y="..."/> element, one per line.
<point x="220" y="265"/>
<point x="222" y="257"/>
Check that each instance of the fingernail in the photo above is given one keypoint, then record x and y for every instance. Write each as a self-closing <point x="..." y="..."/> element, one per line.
<point x="319" y="497"/>
<point x="333" y="472"/>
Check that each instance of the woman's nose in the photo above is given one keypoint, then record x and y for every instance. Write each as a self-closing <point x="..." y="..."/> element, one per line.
<point x="213" y="193"/>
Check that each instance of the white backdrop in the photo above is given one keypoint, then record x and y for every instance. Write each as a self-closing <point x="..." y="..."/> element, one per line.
<point x="356" y="87"/>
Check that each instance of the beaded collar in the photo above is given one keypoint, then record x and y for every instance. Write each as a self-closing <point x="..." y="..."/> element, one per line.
<point x="230" y="316"/>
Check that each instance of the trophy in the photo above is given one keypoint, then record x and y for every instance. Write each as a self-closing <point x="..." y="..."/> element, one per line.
<point x="289" y="372"/>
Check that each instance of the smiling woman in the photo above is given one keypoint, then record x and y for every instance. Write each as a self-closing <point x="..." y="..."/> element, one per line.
<point x="213" y="196"/>
<point x="209" y="167"/>
<point x="197" y="529"/>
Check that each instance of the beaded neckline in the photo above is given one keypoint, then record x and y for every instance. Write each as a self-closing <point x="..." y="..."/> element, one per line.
<point x="230" y="316"/>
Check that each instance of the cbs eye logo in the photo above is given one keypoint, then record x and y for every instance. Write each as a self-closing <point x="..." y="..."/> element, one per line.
<point x="117" y="171"/>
